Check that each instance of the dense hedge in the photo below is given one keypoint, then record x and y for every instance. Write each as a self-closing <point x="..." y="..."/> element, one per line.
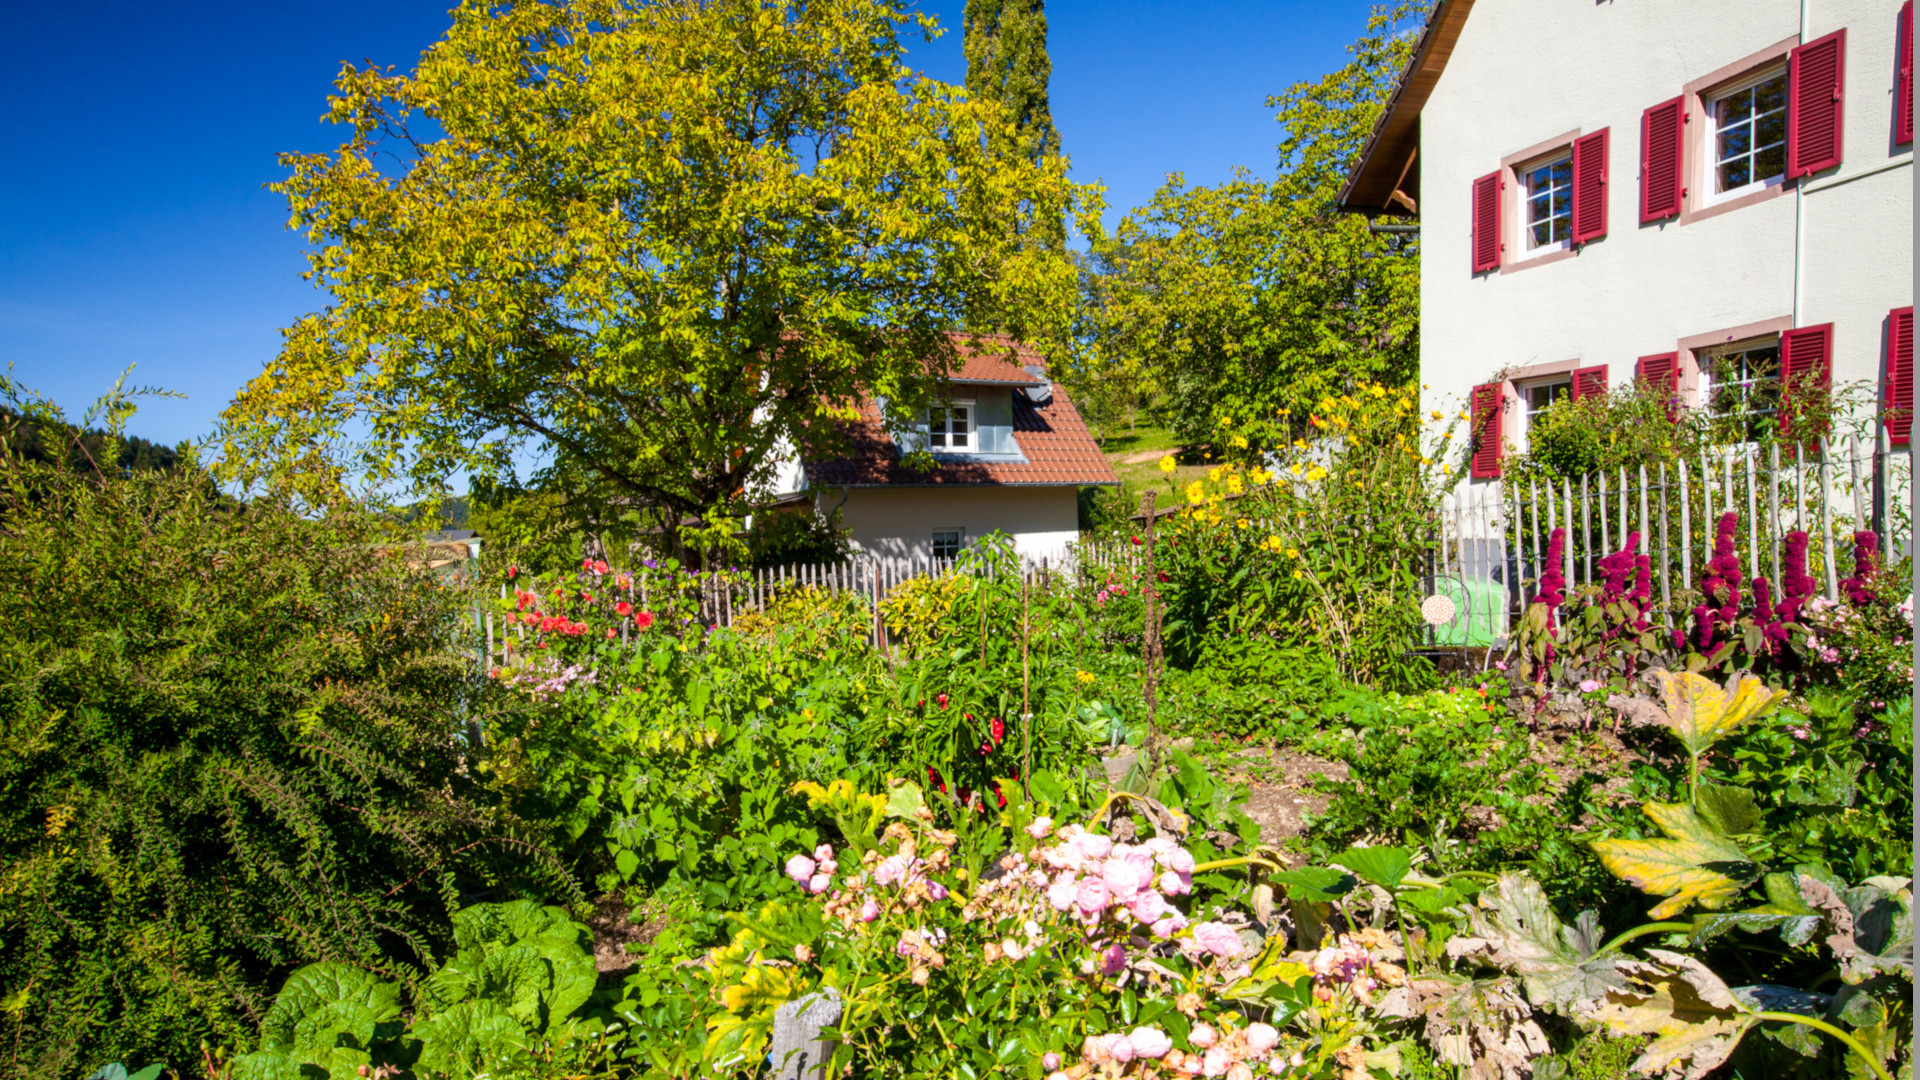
<point x="233" y="743"/>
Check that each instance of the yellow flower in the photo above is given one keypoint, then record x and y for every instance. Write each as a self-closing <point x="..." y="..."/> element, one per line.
<point x="1213" y="474"/>
<point x="1299" y="573"/>
<point x="1293" y="553"/>
<point x="1245" y="524"/>
<point x="1196" y="493"/>
<point x="1238" y="442"/>
<point x="1167" y="463"/>
<point x="1317" y="474"/>
<point x="1377" y="392"/>
<point x="1234" y="485"/>
<point x="1085" y="676"/>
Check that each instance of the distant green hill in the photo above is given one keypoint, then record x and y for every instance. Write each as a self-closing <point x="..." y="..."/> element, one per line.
<point x="56" y="445"/>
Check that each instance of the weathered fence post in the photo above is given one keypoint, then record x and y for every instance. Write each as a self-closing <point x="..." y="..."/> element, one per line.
<point x="799" y="1053"/>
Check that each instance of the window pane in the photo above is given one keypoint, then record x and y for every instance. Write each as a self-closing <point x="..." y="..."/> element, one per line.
<point x="1542" y="234"/>
<point x="1734" y="174"/>
<point x="959" y="419"/>
<point x="1736" y="107"/>
<point x="1770" y="163"/>
<point x="1562" y="229"/>
<point x="1771" y="94"/>
<point x="1537" y="181"/>
<point x="1563" y="173"/>
<point x="937" y="437"/>
<point x="1771" y="128"/>
<point x="1562" y="202"/>
<point x="1735" y="141"/>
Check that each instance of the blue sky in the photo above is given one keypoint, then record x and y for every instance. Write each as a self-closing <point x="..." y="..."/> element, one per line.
<point x="135" y="227"/>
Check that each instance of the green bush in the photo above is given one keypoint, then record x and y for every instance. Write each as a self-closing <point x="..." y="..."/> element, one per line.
<point x="235" y="741"/>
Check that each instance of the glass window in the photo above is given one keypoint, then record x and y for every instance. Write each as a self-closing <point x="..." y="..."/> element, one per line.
<point x="1750" y="134"/>
<point x="1742" y="383"/>
<point x="1549" y="210"/>
<point x="946" y="543"/>
<point x="1542" y="396"/>
<point x="950" y="427"/>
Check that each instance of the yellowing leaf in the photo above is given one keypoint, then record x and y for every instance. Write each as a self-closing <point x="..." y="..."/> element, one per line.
<point x="1694" y="1018"/>
<point x="761" y="989"/>
<point x="1687" y="869"/>
<point x="1700" y="712"/>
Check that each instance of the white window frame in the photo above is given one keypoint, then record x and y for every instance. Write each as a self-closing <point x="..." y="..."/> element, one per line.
<point x="1710" y="108"/>
<point x="970" y="436"/>
<point x="1706" y="359"/>
<point x="1523" y="389"/>
<point x="1523" y="213"/>
<point x="959" y="534"/>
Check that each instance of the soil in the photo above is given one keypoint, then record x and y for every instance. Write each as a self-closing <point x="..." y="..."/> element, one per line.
<point x="613" y="931"/>
<point x="1279" y="785"/>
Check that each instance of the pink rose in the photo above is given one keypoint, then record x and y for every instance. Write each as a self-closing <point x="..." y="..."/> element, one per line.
<point x="1121" y="1049"/>
<point x="1174" y="883"/>
<point x="1180" y="861"/>
<point x="936" y="891"/>
<point x="823" y="853"/>
<point x="1169" y="924"/>
<point x="869" y="911"/>
<point x="1114" y="960"/>
<point x="1150" y="1042"/>
<point x="1039" y="827"/>
<point x="1062" y="892"/>
<point x="1261" y="1038"/>
<point x="1203" y="1036"/>
<point x="1126" y="877"/>
<point x="1093" y="845"/>
<point x="819" y="883"/>
<point x="1091" y="897"/>
<point x="800" y="868"/>
<point x="1217" y="938"/>
<point x="891" y="869"/>
<point x="1049" y="1061"/>
<point x="1216" y="1063"/>
<point x="1147" y="907"/>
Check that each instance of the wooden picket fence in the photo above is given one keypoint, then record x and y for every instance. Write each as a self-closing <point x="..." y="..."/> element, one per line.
<point x="1493" y="538"/>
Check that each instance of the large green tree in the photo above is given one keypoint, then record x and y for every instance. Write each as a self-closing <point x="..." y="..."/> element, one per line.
<point x="647" y="245"/>
<point x="1006" y="46"/>
<point x="1252" y="300"/>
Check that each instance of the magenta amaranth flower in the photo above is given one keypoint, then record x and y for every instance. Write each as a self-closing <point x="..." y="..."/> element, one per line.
<point x="1866" y="563"/>
<point x="1723" y="570"/>
<point x="1553" y="584"/>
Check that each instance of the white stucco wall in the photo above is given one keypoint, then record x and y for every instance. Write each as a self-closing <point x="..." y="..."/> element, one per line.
<point x="899" y="522"/>
<point x="1833" y="248"/>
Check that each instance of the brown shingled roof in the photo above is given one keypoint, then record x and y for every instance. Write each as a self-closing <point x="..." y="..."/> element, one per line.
<point x="1055" y="440"/>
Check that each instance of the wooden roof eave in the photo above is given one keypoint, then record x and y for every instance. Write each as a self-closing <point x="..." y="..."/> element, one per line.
<point x="1384" y="180"/>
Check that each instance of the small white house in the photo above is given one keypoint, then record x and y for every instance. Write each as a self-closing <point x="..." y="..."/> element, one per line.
<point x="1662" y="190"/>
<point x="1010" y="454"/>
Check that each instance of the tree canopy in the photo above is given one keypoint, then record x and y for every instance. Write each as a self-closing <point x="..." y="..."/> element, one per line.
<point x="649" y="245"/>
<point x="1006" y="46"/>
<point x="1253" y="300"/>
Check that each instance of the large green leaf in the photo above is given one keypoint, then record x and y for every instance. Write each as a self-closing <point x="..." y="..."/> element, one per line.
<point x="1695" y="865"/>
<point x="1514" y="928"/>
<point x="469" y="1038"/>
<point x="518" y="979"/>
<point x="327" y="1005"/>
<point x="1384" y="866"/>
<point x="1728" y="810"/>
<point x="1315" y="884"/>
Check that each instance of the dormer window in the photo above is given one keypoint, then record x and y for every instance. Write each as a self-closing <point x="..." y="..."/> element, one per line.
<point x="950" y="428"/>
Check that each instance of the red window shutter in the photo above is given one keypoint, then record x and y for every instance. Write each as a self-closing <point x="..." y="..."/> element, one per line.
<point x="1897" y="383"/>
<point x="1590" y="187"/>
<point x="1589" y="382"/>
<point x="1816" y="76"/>
<point x="1486" y="223"/>
<point x="1903" y="78"/>
<point x="1489" y="403"/>
<point x="1662" y="149"/>
<point x="1806" y="354"/>
<point x="1661" y="374"/>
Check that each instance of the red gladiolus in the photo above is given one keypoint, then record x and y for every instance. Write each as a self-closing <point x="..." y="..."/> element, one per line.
<point x="941" y="700"/>
<point x="623" y="609"/>
<point x="999" y="729"/>
<point x="643" y="619"/>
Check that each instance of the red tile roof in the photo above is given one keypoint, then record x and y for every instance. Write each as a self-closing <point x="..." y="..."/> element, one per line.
<point x="1058" y="449"/>
<point x="999" y="361"/>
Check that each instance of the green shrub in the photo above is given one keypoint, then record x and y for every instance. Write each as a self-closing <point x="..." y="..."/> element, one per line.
<point x="235" y="741"/>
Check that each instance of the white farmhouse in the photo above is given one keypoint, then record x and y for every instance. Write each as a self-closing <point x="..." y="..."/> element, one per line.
<point x="1010" y="454"/>
<point x="1666" y="190"/>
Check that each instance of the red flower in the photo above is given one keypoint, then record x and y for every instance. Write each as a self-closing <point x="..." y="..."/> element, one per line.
<point x="600" y="566"/>
<point x="933" y="777"/>
<point x="1136" y="541"/>
<point x="941" y="700"/>
<point x="643" y="619"/>
<point x="999" y="728"/>
<point x="623" y="609"/>
<point x="512" y="572"/>
<point x="610" y="633"/>
<point x="999" y="795"/>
